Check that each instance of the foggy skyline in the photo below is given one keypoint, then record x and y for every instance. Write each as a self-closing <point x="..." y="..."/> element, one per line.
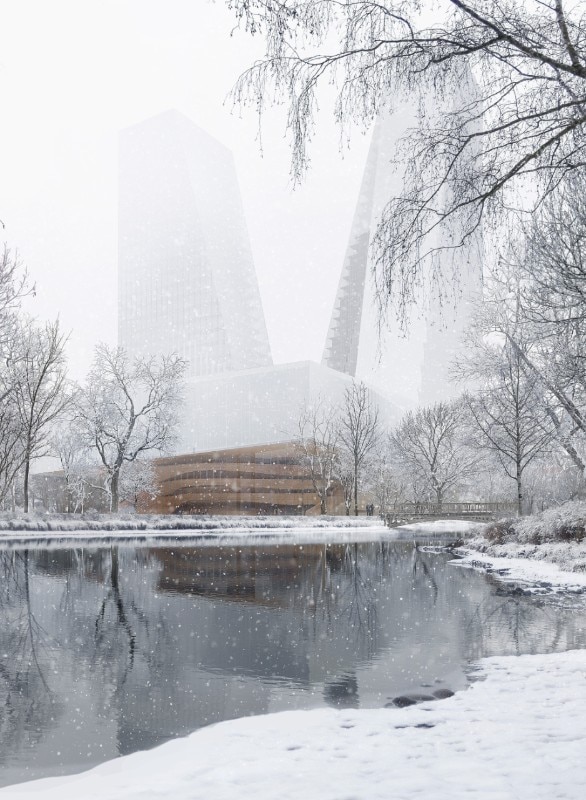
<point x="72" y="76"/>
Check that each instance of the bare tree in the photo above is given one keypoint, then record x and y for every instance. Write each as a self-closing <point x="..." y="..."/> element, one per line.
<point x="507" y="407"/>
<point x="81" y="469"/>
<point x="13" y="288"/>
<point x="552" y="260"/>
<point x="37" y="381"/>
<point x="12" y="453"/>
<point x="128" y="409"/>
<point x="344" y="472"/>
<point x="383" y="480"/>
<point x="430" y="446"/>
<point x="508" y="80"/>
<point x="534" y="301"/>
<point x="317" y="442"/>
<point x="359" y="429"/>
<point x="139" y="480"/>
<point x="548" y="273"/>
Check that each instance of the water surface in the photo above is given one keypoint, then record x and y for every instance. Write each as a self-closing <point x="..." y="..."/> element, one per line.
<point x="104" y="651"/>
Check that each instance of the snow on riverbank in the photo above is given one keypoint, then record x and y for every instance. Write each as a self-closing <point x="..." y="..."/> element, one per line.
<point x="227" y="531"/>
<point x="165" y="522"/>
<point x="61" y="527"/>
<point x="565" y="523"/>
<point x="546" y="548"/>
<point x="518" y="735"/>
<point x="237" y="537"/>
<point x="438" y="527"/>
<point x="549" y="547"/>
<point x="560" y="566"/>
<point x="95" y="527"/>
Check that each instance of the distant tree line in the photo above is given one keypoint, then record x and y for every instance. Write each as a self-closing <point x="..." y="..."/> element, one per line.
<point x="104" y="432"/>
<point x="496" y="153"/>
<point x="517" y="431"/>
<point x="336" y="443"/>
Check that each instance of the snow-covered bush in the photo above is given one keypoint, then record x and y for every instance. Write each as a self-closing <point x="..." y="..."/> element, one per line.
<point x="566" y="523"/>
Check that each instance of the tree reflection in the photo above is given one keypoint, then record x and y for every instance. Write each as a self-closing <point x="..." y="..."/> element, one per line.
<point x="123" y="630"/>
<point x="423" y="575"/>
<point x="507" y="622"/>
<point x="107" y="638"/>
<point x="358" y="597"/>
<point x="157" y="642"/>
<point x="29" y="706"/>
<point x="342" y="692"/>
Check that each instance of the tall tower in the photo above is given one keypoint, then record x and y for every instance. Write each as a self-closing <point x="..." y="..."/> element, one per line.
<point x="354" y="344"/>
<point x="414" y="368"/>
<point x="186" y="279"/>
<point x="343" y="339"/>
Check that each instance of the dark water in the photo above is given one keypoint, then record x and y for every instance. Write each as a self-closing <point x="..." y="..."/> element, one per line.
<point x="107" y="651"/>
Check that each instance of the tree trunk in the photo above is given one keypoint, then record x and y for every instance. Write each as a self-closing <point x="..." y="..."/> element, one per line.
<point x="27" y="467"/>
<point x="519" y="471"/>
<point x="323" y="507"/>
<point x="566" y="443"/>
<point x="115" y="569"/>
<point x="519" y="494"/>
<point x="114" y="494"/>
<point x="439" y="499"/>
<point x="355" y="488"/>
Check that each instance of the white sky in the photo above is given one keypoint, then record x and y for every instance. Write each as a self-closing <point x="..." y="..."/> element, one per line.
<point x="72" y="73"/>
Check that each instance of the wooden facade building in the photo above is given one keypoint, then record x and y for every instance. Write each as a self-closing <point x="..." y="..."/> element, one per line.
<point x="267" y="479"/>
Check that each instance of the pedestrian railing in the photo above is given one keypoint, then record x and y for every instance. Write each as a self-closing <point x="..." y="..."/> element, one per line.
<point x="467" y="510"/>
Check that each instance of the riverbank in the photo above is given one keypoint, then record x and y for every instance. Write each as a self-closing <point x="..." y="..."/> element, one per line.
<point x="168" y="522"/>
<point x="95" y="529"/>
<point x="519" y="733"/>
<point x="547" y="549"/>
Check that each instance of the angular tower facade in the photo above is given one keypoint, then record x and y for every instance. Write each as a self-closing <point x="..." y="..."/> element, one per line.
<point x="415" y="368"/>
<point x="343" y="339"/>
<point x="186" y="279"/>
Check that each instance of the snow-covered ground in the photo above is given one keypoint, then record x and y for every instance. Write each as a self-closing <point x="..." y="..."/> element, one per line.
<point x="438" y="527"/>
<point x="557" y="566"/>
<point x="96" y="529"/>
<point x="546" y="548"/>
<point x="519" y="734"/>
<point x="170" y="522"/>
<point x="237" y="537"/>
<point x="565" y="523"/>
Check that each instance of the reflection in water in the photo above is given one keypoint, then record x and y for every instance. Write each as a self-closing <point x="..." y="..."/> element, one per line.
<point x="106" y="651"/>
<point x="343" y="692"/>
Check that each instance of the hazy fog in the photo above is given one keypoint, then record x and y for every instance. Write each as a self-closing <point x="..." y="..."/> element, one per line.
<point x="72" y="73"/>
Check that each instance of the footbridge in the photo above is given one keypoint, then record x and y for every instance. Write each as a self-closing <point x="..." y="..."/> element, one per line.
<point x="403" y="513"/>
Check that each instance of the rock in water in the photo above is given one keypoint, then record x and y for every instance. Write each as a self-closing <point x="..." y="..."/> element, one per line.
<point x="441" y="694"/>
<point x="405" y="700"/>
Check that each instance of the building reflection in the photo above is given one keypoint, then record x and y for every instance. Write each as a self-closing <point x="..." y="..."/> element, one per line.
<point x="265" y="576"/>
<point x="106" y="651"/>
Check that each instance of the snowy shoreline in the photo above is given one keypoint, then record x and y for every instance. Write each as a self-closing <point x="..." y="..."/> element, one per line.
<point x="94" y="530"/>
<point x="519" y="733"/>
<point x="52" y="531"/>
<point x="169" y="522"/>
<point x="236" y="537"/>
<point x="546" y="549"/>
<point x="547" y="567"/>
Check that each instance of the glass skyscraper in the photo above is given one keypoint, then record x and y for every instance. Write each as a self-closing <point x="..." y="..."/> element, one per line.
<point x="186" y="278"/>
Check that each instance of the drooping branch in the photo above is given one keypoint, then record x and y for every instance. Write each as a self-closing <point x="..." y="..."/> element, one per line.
<point x="499" y="92"/>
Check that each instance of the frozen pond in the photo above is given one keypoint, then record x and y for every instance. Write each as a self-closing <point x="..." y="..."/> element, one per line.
<point x="108" y="650"/>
